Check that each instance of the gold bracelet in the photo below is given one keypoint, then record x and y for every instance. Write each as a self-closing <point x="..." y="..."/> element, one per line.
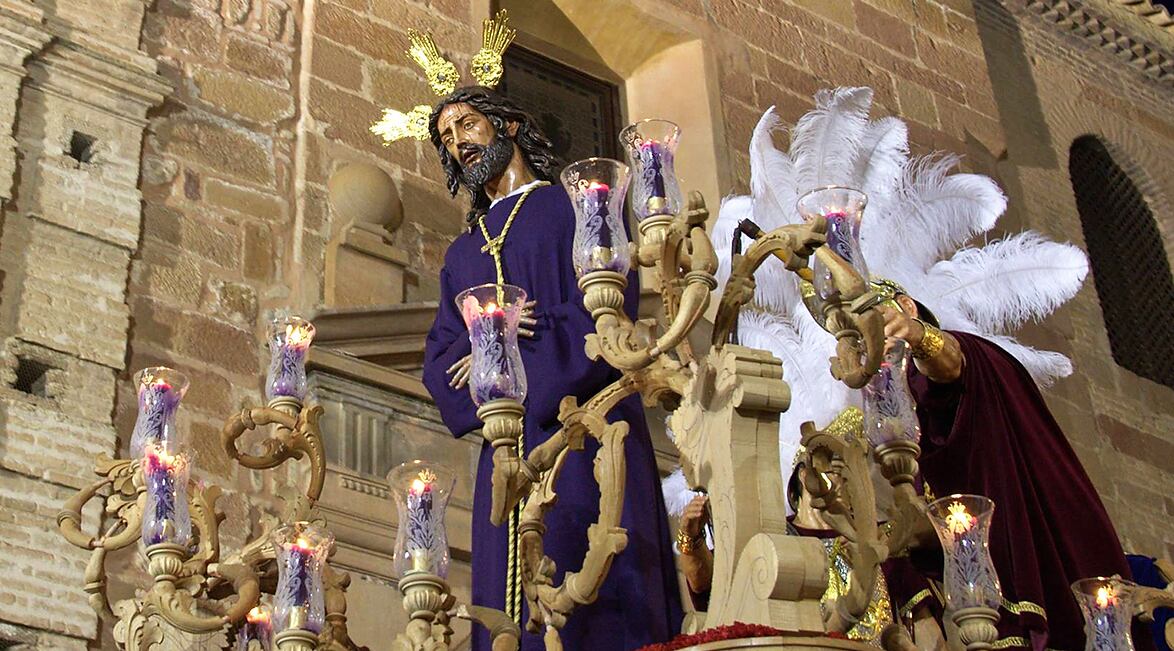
<point x="931" y="344"/>
<point x="686" y="543"/>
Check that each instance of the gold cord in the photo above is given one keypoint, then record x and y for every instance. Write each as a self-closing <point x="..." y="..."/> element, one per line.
<point x="494" y="245"/>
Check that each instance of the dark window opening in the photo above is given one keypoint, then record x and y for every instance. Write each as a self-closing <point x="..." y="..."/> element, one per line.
<point x="1129" y="264"/>
<point x="32" y="377"/>
<point x="578" y="112"/>
<point x="81" y="147"/>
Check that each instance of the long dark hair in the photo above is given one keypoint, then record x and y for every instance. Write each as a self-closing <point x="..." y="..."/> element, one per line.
<point x="536" y="148"/>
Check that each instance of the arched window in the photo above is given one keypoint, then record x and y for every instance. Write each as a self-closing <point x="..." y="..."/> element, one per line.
<point x="1129" y="263"/>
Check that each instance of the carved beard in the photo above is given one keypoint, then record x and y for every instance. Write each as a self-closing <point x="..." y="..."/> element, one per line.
<point x="495" y="158"/>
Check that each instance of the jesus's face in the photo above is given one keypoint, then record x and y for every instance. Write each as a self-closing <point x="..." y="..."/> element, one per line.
<point x="480" y="150"/>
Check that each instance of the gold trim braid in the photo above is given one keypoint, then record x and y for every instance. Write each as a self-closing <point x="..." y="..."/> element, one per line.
<point x="1021" y="607"/>
<point x="913" y="602"/>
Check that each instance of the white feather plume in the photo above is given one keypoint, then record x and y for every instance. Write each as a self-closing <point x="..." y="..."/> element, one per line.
<point x="1045" y="366"/>
<point x="934" y="210"/>
<point x="825" y="141"/>
<point x="772" y="176"/>
<point x="1002" y="285"/>
<point x="677" y="493"/>
<point x="883" y="153"/>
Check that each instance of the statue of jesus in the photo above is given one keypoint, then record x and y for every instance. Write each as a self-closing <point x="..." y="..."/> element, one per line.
<point x="520" y="231"/>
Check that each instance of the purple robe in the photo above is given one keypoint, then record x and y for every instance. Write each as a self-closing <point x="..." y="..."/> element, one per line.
<point x="639" y="602"/>
<point x="990" y="433"/>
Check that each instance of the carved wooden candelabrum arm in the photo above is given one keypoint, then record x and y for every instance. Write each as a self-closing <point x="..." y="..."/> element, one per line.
<point x="198" y="597"/>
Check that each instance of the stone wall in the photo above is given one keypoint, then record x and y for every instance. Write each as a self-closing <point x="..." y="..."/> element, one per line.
<point x="164" y="171"/>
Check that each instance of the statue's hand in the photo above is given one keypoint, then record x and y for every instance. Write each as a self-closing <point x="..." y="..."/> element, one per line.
<point x="527" y="323"/>
<point x="460" y="372"/>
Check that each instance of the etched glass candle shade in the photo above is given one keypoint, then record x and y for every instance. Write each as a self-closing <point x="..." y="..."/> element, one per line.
<point x="492" y="313"/>
<point x="1107" y="604"/>
<point x="889" y="411"/>
<point x="289" y="339"/>
<point x="166" y="517"/>
<point x="963" y="525"/>
<point x="651" y="146"/>
<point x="160" y="390"/>
<point x="842" y="208"/>
<point x="299" y="603"/>
<point x="596" y="187"/>
<point x="421" y="491"/>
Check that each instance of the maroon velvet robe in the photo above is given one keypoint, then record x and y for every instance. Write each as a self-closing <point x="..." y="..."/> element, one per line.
<point x="990" y="433"/>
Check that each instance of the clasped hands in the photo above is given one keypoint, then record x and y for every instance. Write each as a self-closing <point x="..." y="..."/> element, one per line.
<point x="464" y="366"/>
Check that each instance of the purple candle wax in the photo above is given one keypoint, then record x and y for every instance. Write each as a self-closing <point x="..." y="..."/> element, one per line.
<point x="159" y="474"/>
<point x="290" y="371"/>
<point x="158" y="402"/>
<point x="491" y="378"/>
<point x="840" y="235"/>
<point x="652" y="154"/>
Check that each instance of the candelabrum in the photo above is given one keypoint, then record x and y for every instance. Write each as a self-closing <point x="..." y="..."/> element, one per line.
<point x="199" y="595"/>
<point x="722" y="399"/>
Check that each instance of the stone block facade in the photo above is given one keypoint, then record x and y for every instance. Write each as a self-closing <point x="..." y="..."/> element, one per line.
<point x="164" y="170"/>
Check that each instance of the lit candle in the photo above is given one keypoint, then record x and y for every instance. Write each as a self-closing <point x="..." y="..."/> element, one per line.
<point x="256" y="634"/>
<point x="1107" y="605"/>
<point x="299" y="571"/>
<point x="420" y="526"/>
<point x="167" y="519"/>
<point x="160" y="391"/>
<point x="489" y="329"/>
<point x="962" y="523"/>
<point x="299" y="601"/>
<point x="290" y="338"/>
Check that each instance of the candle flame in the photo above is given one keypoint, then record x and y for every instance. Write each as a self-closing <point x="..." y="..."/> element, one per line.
<point x="303" y="543"/>
<point x="257" y="614"/>
<point x="959" y="520"/>
<point x="297" y="333"/>
<point x="160" y="456"/>
<point x="422" y="482"/>
<point x="492" y="308"/>
<point x="596" y="185"/>
<point x="1105" y="597"/>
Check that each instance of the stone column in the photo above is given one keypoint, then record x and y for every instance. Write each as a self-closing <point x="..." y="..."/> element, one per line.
<point x="72" y="218"/>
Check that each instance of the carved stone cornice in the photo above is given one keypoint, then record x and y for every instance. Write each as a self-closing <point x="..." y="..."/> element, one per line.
<point x="1145" y="44"/>
<point x="388" y="336"/>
